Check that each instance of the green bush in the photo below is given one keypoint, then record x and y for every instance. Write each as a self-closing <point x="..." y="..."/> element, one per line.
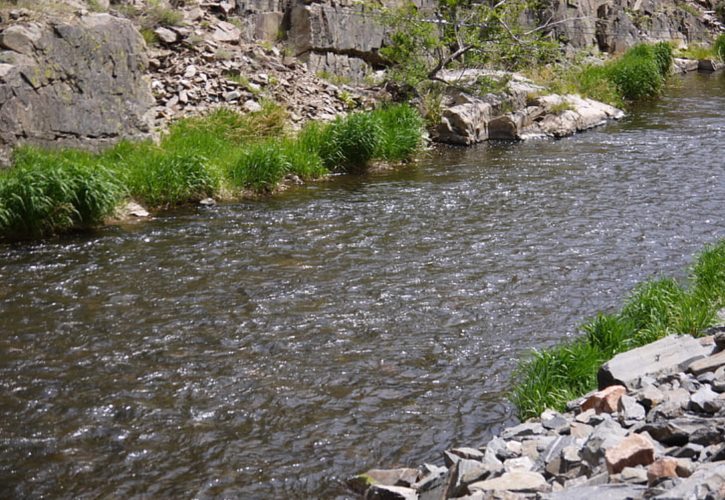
<point x="350" y="143"/>
<point x="260" y="167"/>
<point x="161" y="179"/>
<point x="663" y="57"/>
<point x="401" y="132"/>
<point x="550" y="378"/>
<point x="637" y="73"/>
<point x="48" y="192"/>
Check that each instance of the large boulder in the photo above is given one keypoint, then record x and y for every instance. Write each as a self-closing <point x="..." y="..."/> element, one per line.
<point x="72" y="84"/>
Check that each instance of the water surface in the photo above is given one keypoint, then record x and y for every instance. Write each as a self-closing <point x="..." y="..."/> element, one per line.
<point x="269" y="349"/>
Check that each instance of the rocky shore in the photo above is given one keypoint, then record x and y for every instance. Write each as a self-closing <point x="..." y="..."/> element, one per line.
<point x="654" y="429"/>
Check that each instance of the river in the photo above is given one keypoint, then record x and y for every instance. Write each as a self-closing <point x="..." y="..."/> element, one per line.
<point x="269" y="349"/>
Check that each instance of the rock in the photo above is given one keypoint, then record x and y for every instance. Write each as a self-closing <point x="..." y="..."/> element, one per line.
<point x="207" y="202"/>
<point x="60" y="91"/>
<point x="632" y="475"/>
<point x="605" y="436"/>
<point x="464" y="123"/>
<point x="708" y="481"/>
<point x="685" y="65"/>
<point x="226" y="32"/>
<point x="468" y="453"/>
<point x="708" y="364"/>
<point x="670" y="354"/>
<point x="554" y="421"/>
<point x="710" y="65"/>
<point x="580" y="431"/>
<point x="382" y="492"/>
<point x="661" y="468"/>
<point x="606" y="400"/>
<point x="430" y="477"/>
<point x="629" y="409"/>
<point x="552" y="456"/>
<point x="720" y="340"/>
<point x="166" y="35"/>
<point x="518" y="464"/>
<point x="599" y="492"/>
<point x="631" y="451"/>
<point x="706" y="401"/>
<point x="132" y="209"/>
<point x="520" y="482"/>
<point x="383" y="477"/>
<point x="689" y="450"/>
<point x="464" y="472"/>
<point x="252" y="106"/>
<point x="523" y="430"/>
<point x="503" y="450"/>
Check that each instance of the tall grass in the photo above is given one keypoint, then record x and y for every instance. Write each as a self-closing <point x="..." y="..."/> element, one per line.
<point x="47" y="193"/>
<point x="718" y="47"/>
<point x="349" y="143"/>
<point x="550" y="378"/>
<point x="401" y="132"/>
<point x="222" y="152"/>
<point x="638" y="74"/>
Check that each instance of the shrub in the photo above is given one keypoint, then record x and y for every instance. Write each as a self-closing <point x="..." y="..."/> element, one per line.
<point x="637" y="73"/>
<point x="663" y="57"/>
<point x="400" y="132"/>
<point x="48" y="192"/>
<point x="350" y="143"/>
<point x="260" y="167"/>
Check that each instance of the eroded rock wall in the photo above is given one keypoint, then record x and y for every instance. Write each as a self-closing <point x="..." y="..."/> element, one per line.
<point x="72" y="84"/>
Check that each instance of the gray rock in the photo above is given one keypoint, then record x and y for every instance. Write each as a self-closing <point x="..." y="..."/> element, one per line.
<point x="432" y="477"/>
<point x="523" y="430"/>
<point x="708" y="364"/>
<point x="501" y="449"/>
<point x="463" y="473"/>
<point x="252" y="106"/>
<point x="555" y="421"/>
<point x="79" y="84"/>
<point x="689" y="450"/>
<point x="649" y="396"/>
<point x="464" y="123"/>
<point x="383" y="492"/>
<point x="383" y="477"/>
<point x="520" y="482"/>
<point x="707" y="481"/>
<point x="599" y="492"/>
<point x="605" y="436"/>
<point x="667" y="355"/>
<point x="706" y="401"/>
<point x="226" y="32"/>
<point x="518" y="464"/>
<point x="630" y="410"/>
<point x="166" y="35"/>
<point x="468" y="453"/>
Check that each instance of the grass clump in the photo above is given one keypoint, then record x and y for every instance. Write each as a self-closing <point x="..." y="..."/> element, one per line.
<point x="552" y="377"/>
<point x="718" y="47"/>
<point x="260" y="167"/>
<point x="349" y="144"/>
<point x="640" y="72"/>
<point x="401" y="132"/>
<point x="50" y="192"/>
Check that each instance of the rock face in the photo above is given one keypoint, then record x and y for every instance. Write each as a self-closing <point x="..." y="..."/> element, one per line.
<point x="614" y="26"/>
<point x="642" y="449"/>
<point x="72" y="84"/>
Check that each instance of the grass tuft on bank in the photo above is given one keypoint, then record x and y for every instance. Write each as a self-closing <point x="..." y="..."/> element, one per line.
<point x="550" y="378"/>
<point x="638" y="74"/>
<point x="224" y="153"/>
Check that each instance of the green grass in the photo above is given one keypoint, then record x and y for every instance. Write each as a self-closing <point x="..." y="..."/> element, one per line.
<point x="552" y="377"/>
<point x="400" y="132"/>
<point x="48" y="192"/>
<point x="718" y="48"/>
<point x="216" y="155"/>
<point x="638" y="74"/>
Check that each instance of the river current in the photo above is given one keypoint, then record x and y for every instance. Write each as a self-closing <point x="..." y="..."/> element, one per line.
<point x="269" y="349"/>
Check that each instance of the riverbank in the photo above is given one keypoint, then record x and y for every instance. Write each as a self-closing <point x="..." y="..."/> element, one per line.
<point x="650" y="428"/>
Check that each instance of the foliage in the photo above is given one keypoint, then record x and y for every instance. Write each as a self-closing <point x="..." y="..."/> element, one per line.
<point x="166" y="179"/>
<point x="718" y="47"/>
<point x="350" y="143"/>
<point x="51" y="192"/>
<point x="550" y="378"/>
<point x="261" y="167"/>
<point x="472" y="34"/>
<point x="401" y="129"/>
<point x="637" y="74"/>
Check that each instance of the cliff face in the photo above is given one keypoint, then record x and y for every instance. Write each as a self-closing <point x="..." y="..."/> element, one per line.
<point x="77" y="83"/>
<point x="614" y="26"/>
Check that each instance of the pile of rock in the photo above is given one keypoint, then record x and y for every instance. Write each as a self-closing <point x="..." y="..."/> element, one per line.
<point x="655" y="429"/>
<point x="204" y="63"/>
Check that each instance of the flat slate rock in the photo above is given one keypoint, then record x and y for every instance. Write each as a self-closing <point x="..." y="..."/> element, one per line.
<point x="602" y="492"/>
<point x="670" y="354"/>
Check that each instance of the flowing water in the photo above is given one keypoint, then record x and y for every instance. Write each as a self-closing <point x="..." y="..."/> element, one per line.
<point x="268" y="349"/>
